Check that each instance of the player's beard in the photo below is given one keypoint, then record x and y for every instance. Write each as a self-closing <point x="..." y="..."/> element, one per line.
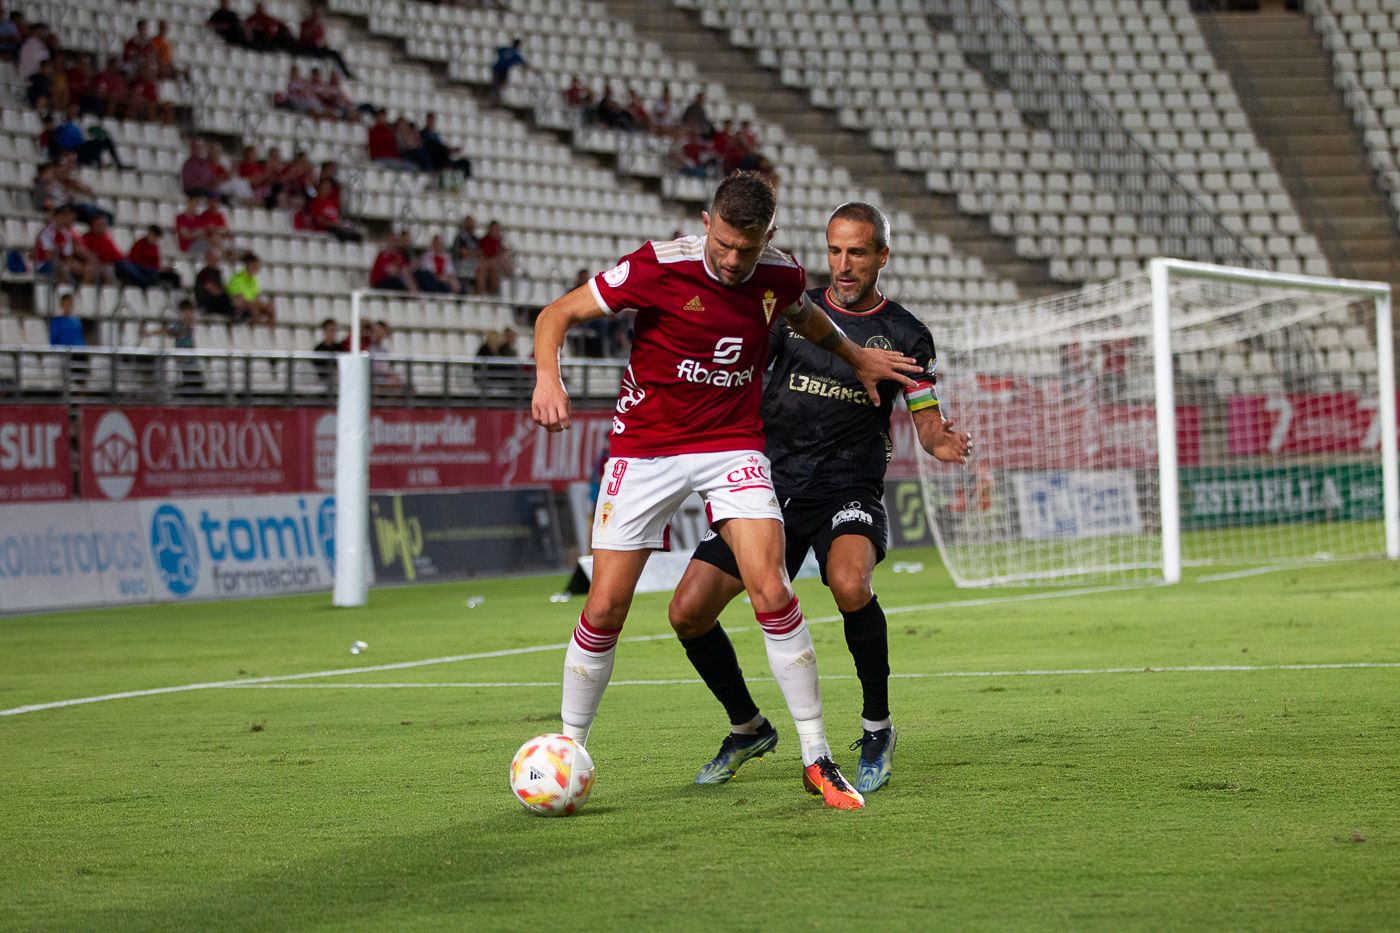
<point x="851" y="296"/>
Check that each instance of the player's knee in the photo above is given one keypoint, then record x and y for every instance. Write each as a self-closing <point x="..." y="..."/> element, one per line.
<point x="770" y="595"/>
<point x="606" y="613"/>
<point x="687" y="617"/>
<point x="850" y="588"/>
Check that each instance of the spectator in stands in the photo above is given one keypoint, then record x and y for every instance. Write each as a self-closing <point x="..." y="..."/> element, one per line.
<point x="331" y="96"/>
<point x="145" y="100"/>
<point x="410" y="145"/>
<point x="110" y="87"/>
<point x="114" y="263"/>
<point x="578" y="95"/>
<point x="68" y="137"/>
<point x="693" y="155"/>
<point x="59" y="253"/>
<point x="38" y="89"/>
<point x="81" y="90"/>
<point x="250" y="168"/>
<point x="200" y="227"/>
<point x="181" y="331"/>
<point x="434" y="272"/>
<point x="507" y="58"/>
<point x="384" y="374"/>
<point x="79" y="195"/>
<point x="164" y="52"/>
<point x="665" y="116"/>
<point x="610" y="113"/>
<point x="249" y="303"/>
<point x="268" y="186"/>
<point x="145" y="255"/>
<point x="299" y="180"/>
<point x="322" y="213"/>
<point x="497" y="261"/>
<point x="440" y="155"/>
<point x="491" y="344"/>
<point x="11" y="34"/>
<point x="330" y="343"/>
<point x="312" y="40"/>
<point x="383" y="145"/>
<point x="466" y="254"/>
<point x="138" y="50"/>
<point x="231" y="186"/>
<point x="390" y="270"/>
<point x="209" y="292"/>
<point x="267" y="33"/>
<point x="65" y="327"/>
<point x="637" y="110"/>
<point x="227" y="24"/>
<point x="50" y="192"/>
<point x="197" y="174"/>
<point x="298" y="96"/>
<point x="695" y="119"/>
<point x="34" y="50"/>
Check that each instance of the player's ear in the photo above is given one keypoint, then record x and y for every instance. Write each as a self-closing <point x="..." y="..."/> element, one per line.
<point x="705" y="220"/>
<point x="884" y="256"/>
<point x="768" y="237"/>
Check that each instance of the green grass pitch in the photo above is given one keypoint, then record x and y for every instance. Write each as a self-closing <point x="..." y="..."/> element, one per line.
<point x="1256" y="798"/>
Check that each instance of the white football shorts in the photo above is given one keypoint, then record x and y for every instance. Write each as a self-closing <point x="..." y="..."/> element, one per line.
<point x="639" y="496"/>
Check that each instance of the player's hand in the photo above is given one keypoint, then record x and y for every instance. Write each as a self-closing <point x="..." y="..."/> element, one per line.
<point x="873" y="367"/>
<point x="952" y="446"/>
<point x="550" y="405"/>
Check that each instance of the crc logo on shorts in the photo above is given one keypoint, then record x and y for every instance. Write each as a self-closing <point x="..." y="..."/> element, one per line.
<point x="727" y="350"/>
<point x="749" y="477"/>
<point x="618" y="273"/>
<point x="852" y="512"/>
<point x="114" y="457"/>
<point x="605" y="514"/>
<point x="175" y="549"/>
<point x="879" y="342"/>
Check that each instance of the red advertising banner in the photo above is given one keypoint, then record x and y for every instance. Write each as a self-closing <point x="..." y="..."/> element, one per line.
<point x="132" y="453"/>
<point x="35" y="465"/>
<point x="1297" y="423"/>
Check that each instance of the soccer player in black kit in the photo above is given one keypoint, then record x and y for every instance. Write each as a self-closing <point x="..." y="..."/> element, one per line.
<point x="829" y="446"/>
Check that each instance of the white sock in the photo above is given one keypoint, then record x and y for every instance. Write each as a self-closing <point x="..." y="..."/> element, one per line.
<point x="794" y="664"/>
<point x="748" y="728"/>
<point x="588" y="665"/>
<point x="871" y="725"/>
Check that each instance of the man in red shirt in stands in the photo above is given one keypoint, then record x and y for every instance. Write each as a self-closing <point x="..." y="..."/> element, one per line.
<point x="390" y="270"/>
<point x="384" y="145"/>
<point x="145" y="255"/>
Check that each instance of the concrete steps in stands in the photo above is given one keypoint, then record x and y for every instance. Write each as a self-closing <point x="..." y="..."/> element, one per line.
<point x="1283" y="77"/>
<point x="682" y="34"/>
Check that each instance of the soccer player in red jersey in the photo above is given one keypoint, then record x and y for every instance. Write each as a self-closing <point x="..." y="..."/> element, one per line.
<point x="687" y="420"/>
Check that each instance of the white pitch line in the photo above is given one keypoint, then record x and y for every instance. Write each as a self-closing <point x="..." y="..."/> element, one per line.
<point x="1241" y="574"/>
<point x="1069" y="672"/>
<point x="533" y="649"/>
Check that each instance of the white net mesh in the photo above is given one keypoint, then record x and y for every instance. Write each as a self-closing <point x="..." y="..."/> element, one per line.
<point x="1276" y="413"/>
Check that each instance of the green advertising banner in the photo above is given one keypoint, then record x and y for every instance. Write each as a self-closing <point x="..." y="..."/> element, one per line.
<point x="1231" y="497"/>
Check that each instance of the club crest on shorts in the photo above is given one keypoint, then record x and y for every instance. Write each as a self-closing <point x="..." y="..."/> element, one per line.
<point x="879" y="342"/>
<point x="770" y="304"/>
<point x="604" y="514"/>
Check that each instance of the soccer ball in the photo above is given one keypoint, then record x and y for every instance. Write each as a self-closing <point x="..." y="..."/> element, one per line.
<point x="551" y="775"/>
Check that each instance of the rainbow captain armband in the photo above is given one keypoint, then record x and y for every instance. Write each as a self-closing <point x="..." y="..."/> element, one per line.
<point x="924" y="392"/>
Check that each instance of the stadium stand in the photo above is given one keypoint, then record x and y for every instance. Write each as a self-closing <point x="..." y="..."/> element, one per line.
<point x="1086" y="136"/>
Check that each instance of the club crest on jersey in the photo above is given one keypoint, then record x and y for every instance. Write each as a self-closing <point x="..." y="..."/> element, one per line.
<point x="770" y="304"/>
<point x="618" y="273"/>
<point x="694" y="304"/>
<point x="879" y="342"/>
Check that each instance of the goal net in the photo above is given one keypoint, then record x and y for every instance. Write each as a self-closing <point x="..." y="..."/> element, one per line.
<point x="1192" y="415"/>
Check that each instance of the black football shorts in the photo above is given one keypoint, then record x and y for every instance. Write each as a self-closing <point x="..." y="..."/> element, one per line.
<point x="812" y="525"/>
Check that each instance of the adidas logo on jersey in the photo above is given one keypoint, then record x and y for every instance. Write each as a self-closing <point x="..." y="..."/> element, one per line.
<point x="694" y="304"/>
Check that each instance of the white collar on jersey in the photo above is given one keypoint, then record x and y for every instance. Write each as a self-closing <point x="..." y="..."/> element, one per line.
<point x="705" y="261"/>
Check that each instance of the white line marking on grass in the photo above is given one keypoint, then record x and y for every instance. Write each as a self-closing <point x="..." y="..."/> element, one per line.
<point x="1069" y="672"/>
<point x="534" y="649"/>
<point x="1241" y="574"/>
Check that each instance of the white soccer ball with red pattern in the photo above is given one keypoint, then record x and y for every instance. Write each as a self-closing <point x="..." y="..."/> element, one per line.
<point x="551" y="775"/>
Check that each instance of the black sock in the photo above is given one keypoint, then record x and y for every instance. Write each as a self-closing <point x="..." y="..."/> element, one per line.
<point x="714" y="660"/>
<point x="865" y="636"/>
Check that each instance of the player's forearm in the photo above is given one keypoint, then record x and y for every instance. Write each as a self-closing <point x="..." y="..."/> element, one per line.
<point x="550" y="329"/>
<point x="812" y="324"/>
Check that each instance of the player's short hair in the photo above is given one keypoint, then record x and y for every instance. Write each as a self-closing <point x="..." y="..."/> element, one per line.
<point x="861" y="212"/>
<point x="745" y="200"/>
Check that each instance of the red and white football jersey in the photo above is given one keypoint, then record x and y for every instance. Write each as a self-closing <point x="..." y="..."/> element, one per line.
<point x="695" y="378"/>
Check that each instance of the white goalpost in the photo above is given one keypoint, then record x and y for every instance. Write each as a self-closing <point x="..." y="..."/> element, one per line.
<point x="1191" y="415"/>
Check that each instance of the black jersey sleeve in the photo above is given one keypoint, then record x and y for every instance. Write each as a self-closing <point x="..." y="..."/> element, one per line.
<point x="924" y="392"/>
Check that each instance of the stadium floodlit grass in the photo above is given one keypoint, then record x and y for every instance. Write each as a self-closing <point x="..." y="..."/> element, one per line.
<point x="1259" y="798"/>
